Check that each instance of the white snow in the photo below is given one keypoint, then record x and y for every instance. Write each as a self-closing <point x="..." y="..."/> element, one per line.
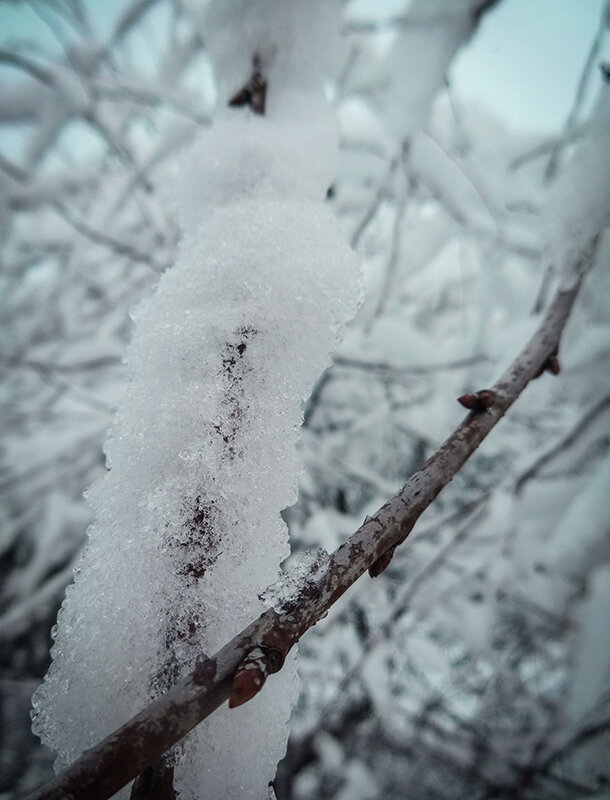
<point x="591" y="674"/>
<point x="288" y="154"/>
<point x="579" y="204"/>
<point x="202" y="450"/>
<point x="295" y="43"/>
<point x="419" y="59"/>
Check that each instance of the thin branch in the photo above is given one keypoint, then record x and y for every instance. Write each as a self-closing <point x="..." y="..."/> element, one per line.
<point x="44" y="366"/>
<point x="418" y="21"/>
<point x="130" y="18"/>
<point x="407" y="190"/>
<point x="564" y="443"/>
<point x="590" y="731"/>
<point x="570" y="125"/>
<point x="120" y="248"/>
<point x="50" y="376"/>
<point x="101" y="771"/>
<point x="402" y="603"/>
<point x="547" y="146"/>
<point x="408" y="369"/>
<point x="27" y="65"/>
<point x="382" y="193"/>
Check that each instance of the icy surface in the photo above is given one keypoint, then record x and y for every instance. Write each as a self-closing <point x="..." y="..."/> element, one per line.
<point x="202" y="451"/>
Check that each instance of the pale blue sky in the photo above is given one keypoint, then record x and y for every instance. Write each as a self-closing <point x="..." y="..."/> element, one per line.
<point x="526" y="60"/>
<point x="524" y="63"/>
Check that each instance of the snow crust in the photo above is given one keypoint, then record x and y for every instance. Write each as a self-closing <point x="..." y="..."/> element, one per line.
<point x="202" y="457"/>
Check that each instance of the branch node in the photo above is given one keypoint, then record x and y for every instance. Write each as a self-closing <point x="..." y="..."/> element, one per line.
<point x="478" y="401"/>
<point x="249" y="678"/>
<point x="205" y="670"/>
<point x="382" y="563"/>
<point x="551" y="365"/>
<point x="254" y="92"/>
<point x="275" y="644"/>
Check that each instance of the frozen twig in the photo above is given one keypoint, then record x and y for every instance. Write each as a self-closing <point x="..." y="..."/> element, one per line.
<point x="125" y="753"/>
<point x="564" y="443"/>
<point x="407" y="190"/>
<point x="408" y="369"/>
<point x="119" y="248"/>
<point x="382" y="193"/>
<point x="571" y="122"/>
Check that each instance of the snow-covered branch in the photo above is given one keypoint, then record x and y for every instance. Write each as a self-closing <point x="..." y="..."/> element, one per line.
<point x="108" y="766"/>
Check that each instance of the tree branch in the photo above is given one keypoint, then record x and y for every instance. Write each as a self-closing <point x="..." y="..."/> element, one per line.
<point x="564" y="443"/>
<point x="125" y="753"/>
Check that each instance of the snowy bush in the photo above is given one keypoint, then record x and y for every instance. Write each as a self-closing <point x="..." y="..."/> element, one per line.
<point x="476" y="665"/>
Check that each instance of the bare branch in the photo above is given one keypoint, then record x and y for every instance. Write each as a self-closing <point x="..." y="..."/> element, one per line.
<point x="125" y="753"/>
<point x="120" y="248"/>
<point x="380" y="195"/>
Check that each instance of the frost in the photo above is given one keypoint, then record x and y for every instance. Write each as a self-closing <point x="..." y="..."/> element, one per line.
<point x="304" y="566"/>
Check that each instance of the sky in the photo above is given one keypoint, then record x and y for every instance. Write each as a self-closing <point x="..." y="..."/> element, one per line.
<point x="527" y="58"/>
<point x="523" y="65"/>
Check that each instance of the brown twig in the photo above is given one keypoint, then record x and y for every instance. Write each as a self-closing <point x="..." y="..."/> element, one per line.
<point x="101" y="771"/>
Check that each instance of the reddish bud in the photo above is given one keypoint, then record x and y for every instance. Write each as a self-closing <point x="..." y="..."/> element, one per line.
<point x="377" y="567"/>
<point x="253" y="94"/>
<point x="247" y="682"/>
<point x="478" y="401"/>
<point x="468" y="401"/>
<point x="276" y="645"/>
<point x="251" y="675"/>
<point x="550" y="365"/>
<point x="553" y="365"/>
